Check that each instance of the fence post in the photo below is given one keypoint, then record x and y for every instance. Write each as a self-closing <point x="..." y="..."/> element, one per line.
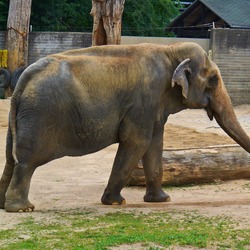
<point x="17" y="34"/>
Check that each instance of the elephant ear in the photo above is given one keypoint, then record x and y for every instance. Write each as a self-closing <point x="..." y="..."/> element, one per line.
<point x="180" y="76"/>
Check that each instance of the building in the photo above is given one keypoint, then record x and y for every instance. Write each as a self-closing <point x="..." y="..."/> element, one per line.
<point x="184" y="4"/>
<point x="198" y="19"/>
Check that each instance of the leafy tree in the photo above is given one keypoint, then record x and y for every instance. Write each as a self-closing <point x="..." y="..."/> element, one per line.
<point x="4" y="7"/>
<point x="61" y="15"/>
<point x="148" y="18"/>
<point x="140" y="17"/>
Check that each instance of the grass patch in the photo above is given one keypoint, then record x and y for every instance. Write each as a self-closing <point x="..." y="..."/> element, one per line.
<point x="81" y="230"/>
<point x="246" y="186"/>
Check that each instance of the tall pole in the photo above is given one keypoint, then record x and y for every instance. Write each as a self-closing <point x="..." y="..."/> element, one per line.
<point x="107" y="21"/>
<point x="17" y="33"/>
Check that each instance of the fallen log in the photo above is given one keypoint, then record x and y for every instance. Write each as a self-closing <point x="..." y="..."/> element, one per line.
<point x="199" y="165"/>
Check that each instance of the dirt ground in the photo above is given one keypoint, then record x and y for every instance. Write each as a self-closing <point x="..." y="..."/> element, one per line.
<point x="78" y="183"/>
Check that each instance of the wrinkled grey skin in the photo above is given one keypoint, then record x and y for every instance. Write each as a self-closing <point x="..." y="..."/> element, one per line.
<point x="81" y="101"/>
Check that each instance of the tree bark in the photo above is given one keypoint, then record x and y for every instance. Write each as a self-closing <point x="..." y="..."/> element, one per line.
<point x="17" y="33"/>
<point x="195" y="166"/>
<point x="107" y="21"/>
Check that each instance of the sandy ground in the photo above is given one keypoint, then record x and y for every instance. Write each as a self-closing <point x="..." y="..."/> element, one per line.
<point x="78" y="183"/>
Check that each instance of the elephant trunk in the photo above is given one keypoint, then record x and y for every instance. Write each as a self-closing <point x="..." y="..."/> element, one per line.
<point x="224" y="114"/>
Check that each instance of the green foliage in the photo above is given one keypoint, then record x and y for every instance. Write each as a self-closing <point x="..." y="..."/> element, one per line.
<point x="147" y="18"/>
<point x="141" y="18"/>
<point x="61" y="15"/>
<point x="86" y="230"/>
<point x="4" y="7"/>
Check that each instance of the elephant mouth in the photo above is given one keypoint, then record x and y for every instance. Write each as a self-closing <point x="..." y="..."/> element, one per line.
<point x="199" y="104"/>
<point x="208" y="108"/>
<point x="210" y="112"/>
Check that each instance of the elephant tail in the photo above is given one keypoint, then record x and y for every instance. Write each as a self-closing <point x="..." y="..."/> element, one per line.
<point x="12" y="124"/>
<point x="26" y="75"/>
<point x="13" y="112"/>
<point x="15" y="102"/>
<point x="15" y="99"/>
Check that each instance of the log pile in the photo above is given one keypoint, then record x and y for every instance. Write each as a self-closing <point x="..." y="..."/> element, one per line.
<point x="199" y="165"/>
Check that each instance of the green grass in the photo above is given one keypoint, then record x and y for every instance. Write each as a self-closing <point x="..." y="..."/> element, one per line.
<point x="246" y="186"/>
<point x="86" y="230"/>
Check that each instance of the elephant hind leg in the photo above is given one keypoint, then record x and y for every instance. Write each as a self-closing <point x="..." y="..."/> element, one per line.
<point x="5" y="181"/>
<point x="15" y="180"/>
<point x="8" y="170"/>
<point x="18" y="190"/>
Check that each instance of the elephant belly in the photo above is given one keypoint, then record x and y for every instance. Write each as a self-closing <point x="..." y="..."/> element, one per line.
<point x="90" y="137"/>
<point x="97" y="139"/>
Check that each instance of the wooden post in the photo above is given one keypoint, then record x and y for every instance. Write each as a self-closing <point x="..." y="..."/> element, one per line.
<point x="107" y="21"/>
<point x="17" y="33"/>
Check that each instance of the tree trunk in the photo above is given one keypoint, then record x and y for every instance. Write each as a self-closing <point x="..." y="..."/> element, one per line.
<point x="107" y="15"/>
<point x="17" y="33"/>
<point x="202" y="165"/>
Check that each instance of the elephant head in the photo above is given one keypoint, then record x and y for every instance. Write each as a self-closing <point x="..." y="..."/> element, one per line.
<point x="203" y="87"/>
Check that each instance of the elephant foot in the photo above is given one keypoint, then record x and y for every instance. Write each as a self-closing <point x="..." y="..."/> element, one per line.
<point x="159" y="196"/>
<point x="2" y="194"/>
<point x="1" y="205"/>
<point x="2" y="201"/>
<point x="111" y="199"/>
<point x="17" y="206"/>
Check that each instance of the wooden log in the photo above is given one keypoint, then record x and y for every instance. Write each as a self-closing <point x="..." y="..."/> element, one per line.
<point x="199" y="165"/>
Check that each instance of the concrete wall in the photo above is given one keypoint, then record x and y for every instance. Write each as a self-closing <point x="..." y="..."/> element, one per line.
<point x="2" y="39"/>
<point x="231" y="52"/>
<point x="44" y="43"/>
<point x="204" y="43"/>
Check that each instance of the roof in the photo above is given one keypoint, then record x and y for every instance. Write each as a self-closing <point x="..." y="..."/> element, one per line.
<point x="236" y="13"/>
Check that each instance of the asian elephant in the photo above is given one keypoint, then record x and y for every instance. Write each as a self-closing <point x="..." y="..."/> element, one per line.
<point x="80" y="101"/>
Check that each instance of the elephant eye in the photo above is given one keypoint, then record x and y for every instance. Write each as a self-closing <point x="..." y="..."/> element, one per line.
<point x="213" y="81"/>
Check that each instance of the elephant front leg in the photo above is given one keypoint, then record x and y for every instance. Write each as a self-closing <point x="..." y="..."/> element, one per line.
<point x="127" y="157"/>
<point x="152" y="164"/>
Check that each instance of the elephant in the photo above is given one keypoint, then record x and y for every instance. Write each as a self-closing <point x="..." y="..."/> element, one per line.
<point x="80" y="101"/>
